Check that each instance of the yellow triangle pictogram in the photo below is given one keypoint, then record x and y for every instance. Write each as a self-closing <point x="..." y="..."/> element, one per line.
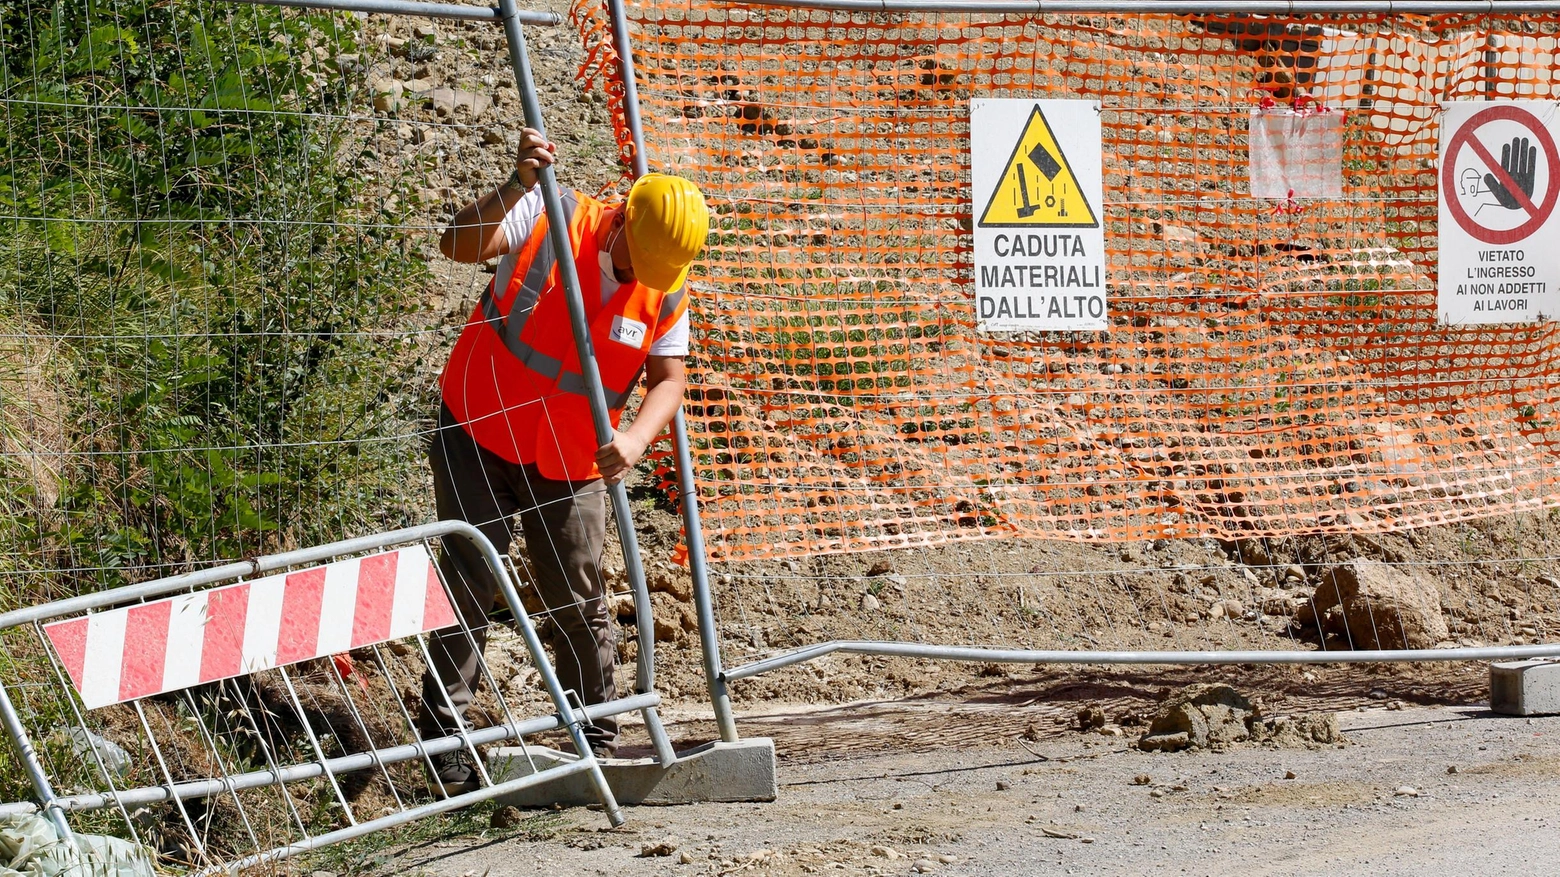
<point x="1037" y="188"/>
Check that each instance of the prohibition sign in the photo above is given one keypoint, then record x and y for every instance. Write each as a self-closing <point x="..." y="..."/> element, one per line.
<point x="1537" y="214"/>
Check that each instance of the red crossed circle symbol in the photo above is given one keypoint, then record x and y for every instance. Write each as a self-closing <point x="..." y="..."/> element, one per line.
<point x="1538" y="214"/>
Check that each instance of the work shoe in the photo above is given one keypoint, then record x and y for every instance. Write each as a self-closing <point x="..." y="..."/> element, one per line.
<point x="456" y="772"/>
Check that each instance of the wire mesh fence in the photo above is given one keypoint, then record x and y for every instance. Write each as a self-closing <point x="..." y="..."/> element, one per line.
<point x="222" y="319"/>
<point x="211" y="315"/>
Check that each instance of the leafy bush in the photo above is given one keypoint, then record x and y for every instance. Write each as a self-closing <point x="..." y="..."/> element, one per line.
<point x="190" y="231"/>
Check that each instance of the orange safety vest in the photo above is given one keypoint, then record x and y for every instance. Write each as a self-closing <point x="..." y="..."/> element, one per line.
<point x="513" y="381"/>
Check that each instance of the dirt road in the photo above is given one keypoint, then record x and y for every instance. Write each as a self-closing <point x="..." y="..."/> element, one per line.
<point x="1415" y="791"/>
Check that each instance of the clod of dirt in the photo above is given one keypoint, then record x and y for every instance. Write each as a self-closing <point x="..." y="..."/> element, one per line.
<point x="1142" y="779"/>
<point x="1090" y="718"/>
<point x="1215" y="716"/>
<point x="1314" y="731"/>
<point x="1205" y="715"/>
<point x="505" y="817"/>
<point x="655" y="850"/>
<point x="1383" y="607"/>
<point x="671" y="581"/>
<point x="880" y="568"/>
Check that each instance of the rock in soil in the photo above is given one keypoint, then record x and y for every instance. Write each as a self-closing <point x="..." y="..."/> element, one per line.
<point x="1090" y="718"/>
<point x="1203" y="715"/>
<point x="1316" y="731"/>
<point x="1215" y="715"/>
<point x="1383" y="606"/>
<point x="505" y="817"/>
<point x="663" y="848"/>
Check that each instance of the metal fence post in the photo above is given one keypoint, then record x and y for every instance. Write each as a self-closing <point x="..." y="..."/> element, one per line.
<point x="709" y="635"/>
<point x="558" y="228"/>
<point x="709" y="641"/>
<point x="29" y="758"/>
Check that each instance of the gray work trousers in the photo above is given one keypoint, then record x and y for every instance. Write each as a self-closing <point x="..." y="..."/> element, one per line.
<point x="564" y="523"/>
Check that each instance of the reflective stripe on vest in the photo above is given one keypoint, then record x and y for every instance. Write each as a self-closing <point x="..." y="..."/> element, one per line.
<point x="531" y="289"/>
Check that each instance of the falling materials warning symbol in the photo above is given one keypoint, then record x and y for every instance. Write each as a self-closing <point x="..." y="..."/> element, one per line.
<point x="1038" y="188"/>
<point x="1036" y="184"/>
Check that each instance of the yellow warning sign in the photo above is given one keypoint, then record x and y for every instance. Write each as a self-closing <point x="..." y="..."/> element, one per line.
<point x="1037" y="188"/>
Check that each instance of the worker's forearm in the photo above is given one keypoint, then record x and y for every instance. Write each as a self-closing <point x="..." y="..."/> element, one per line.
<point x="473" y="234"/>
<point x="660" y="406"/>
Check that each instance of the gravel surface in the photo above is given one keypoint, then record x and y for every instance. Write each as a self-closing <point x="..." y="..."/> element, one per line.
<point x="1414" y="791"/>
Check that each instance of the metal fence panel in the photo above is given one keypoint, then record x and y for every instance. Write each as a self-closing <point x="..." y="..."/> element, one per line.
<point x="313" y="742"/>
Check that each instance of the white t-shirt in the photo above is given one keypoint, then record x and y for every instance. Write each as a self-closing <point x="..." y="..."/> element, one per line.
<point x="517" y="226"/>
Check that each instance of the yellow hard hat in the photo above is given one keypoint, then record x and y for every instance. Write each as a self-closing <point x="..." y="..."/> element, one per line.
<point x="667" y="222"/>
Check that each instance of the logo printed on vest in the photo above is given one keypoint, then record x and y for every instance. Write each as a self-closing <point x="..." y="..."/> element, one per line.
<point x="626" y="331"/>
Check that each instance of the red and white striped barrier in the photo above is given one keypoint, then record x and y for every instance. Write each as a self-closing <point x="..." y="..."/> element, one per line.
<point x="230" y="631"/>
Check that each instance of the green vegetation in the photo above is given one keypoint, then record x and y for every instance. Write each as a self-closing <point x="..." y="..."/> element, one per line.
<point x="207" y="299"/>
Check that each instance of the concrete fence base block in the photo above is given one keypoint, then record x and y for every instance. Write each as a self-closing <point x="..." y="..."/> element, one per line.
<point x="714" y="772"/>
<point x="1525" y="688"/>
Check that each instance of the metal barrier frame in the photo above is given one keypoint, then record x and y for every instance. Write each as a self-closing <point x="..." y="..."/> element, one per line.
<point x="567" y="718"/>
<point x="716" y="675"/>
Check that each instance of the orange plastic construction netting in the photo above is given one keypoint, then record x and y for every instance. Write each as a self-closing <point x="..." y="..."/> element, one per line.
<point x="1271" y="367"/>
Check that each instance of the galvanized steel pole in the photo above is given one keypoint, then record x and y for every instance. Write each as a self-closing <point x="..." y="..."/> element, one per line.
<point x="533" y="643"/>
<point x="1040" y="656"/>
<point x="29" y="757"/>
<point x="558" y="229"/>
<point x="688" y="491"/>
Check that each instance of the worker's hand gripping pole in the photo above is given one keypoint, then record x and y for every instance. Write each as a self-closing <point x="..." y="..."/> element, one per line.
<point x="568" y="275"/>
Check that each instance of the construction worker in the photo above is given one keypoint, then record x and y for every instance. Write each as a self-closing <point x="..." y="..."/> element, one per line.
<point x="515" y="434"/>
